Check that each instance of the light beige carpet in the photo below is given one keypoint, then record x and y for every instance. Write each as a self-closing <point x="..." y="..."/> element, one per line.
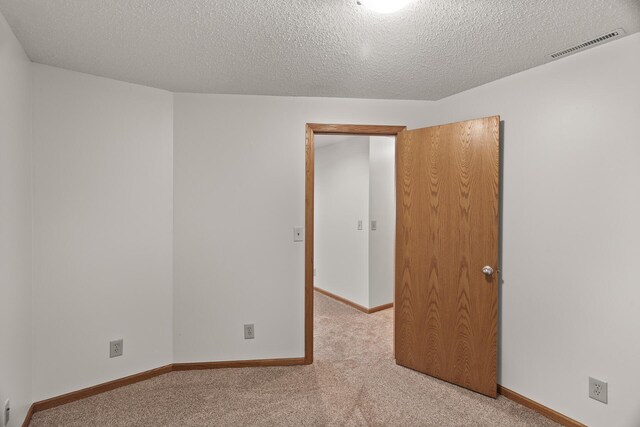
<point x="353" y="382"/>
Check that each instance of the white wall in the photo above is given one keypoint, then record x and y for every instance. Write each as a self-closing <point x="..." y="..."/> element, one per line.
<point x="571" y="294"/>
<point x="239" y="191"/>
<point x="341" y="251"/>
<point x="15" y="225"/>
<point x="382" y="209"/>
<point x="102" y="267"/>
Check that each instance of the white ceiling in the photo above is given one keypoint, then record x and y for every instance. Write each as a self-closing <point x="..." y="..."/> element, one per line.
<point x="432" y="49"/>
<point x="320" y="141"/>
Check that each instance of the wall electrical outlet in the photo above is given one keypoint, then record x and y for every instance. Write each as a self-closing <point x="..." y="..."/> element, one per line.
<point x="598" y="390"/>
<point x="6" y="414"/>
<point x="359" y="224"/>
<point x="374" y="225"/>
<point x="249" y="332"/>
<point x="116" y="348"/>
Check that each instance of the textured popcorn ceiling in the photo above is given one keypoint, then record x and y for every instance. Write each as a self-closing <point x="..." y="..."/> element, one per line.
<point x="431" y="49"/>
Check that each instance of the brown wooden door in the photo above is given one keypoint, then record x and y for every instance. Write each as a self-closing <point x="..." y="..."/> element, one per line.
<point x="447" y="212"/>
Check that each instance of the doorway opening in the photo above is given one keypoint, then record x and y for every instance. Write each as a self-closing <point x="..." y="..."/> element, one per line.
<point x="354" y="220"/>
<point x="362" y="224"/>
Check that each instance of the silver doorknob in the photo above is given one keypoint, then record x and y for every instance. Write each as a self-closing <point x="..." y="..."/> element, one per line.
<point x="487" y="270"/>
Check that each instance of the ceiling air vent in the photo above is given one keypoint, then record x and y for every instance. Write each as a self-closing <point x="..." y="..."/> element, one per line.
<point x="589" y="43"/>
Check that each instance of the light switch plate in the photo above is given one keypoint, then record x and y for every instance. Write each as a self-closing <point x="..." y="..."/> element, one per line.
<point x="359" y="224"/>
<point x="374" y="225"/>
<point x="298" y="234"/>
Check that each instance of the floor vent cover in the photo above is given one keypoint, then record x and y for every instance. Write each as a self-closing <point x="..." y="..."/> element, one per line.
<point x="589" y="43"/>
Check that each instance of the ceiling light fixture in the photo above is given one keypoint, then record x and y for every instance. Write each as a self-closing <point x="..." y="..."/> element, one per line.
<point x="384" y="6"/>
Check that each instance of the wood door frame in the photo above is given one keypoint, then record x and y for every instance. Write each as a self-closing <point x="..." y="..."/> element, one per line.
<point x="311" y="130"/>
